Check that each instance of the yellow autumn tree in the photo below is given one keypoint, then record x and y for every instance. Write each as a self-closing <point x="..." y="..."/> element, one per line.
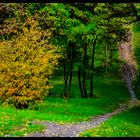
<point x="26" y="63"/>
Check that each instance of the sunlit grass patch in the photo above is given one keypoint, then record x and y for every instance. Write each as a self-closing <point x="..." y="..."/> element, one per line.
<point x="15" y="123"/>
<point x="125" y="124"/>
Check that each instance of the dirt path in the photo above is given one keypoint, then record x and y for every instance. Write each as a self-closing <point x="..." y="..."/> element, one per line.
<point x="73" y="130"/>
<point x="129" y="68"/>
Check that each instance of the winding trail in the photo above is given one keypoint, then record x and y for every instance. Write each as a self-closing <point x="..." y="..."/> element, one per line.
<point x="129" y="68"/>
<point x="73" y="130"/>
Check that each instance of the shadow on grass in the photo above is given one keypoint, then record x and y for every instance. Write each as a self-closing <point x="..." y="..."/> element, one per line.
<point x="103" y="87"/>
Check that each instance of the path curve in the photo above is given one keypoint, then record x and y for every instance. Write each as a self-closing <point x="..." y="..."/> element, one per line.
<point x="73" y="130"/>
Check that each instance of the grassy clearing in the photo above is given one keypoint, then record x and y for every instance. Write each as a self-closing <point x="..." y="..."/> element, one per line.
<point x="110" y="93"/>
<point x="126" y="124"/>
<point x="104" y="86"/>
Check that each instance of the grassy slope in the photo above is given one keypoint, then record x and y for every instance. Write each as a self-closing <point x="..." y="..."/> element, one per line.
<point x="109" y="93"/>
<point x="127" y="123"/>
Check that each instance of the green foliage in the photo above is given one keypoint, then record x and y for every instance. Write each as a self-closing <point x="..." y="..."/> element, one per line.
<point x="28" y="60"/>
<point x="26" y="65"/>
<point x="136" y="27"/>
<point x="136" y="45"/>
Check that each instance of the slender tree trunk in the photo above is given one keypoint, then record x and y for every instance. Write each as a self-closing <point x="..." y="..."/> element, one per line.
<point x="66" y="75"/>
<point x="65" y="81"/>
<point x="64" y="67"/>
<point x="70" y="81"/>
<point x="106" y="58"/>
<point x="92" y="69"/>
<point x="111" y="52"/>
<point x="71" y="72"/>
<point x="87" y="66"/>
<point x="80" y="84"/>
<point x="84" y="71"/>
<point x="84" y="84"/>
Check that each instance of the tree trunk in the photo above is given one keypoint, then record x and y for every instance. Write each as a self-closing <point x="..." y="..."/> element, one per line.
<point x="84" y="71"/>
<point x="70" y="78"/>
<point x="65" y="81"/>
<point x="80" y="84"/>
<point x="92" y="69"/>
<point x="66" y="75"/>
<point x="106" y="58"/>
<point x="64" y="66"/>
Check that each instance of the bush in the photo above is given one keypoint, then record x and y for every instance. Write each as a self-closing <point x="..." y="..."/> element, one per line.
<point x="26" y="65"/>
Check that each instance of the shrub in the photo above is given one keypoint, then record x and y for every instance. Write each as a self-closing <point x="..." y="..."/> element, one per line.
<point x="27" y="62"/>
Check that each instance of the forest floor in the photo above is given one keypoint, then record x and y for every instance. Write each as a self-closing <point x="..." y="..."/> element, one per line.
<point x="73" y="130"/>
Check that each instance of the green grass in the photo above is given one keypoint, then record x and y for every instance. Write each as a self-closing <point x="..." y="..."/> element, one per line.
<point x="15" y="122"/>
<point x="126" y="124"/>
<point x="110" y="93"/>
<point x="104" y="86"/>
